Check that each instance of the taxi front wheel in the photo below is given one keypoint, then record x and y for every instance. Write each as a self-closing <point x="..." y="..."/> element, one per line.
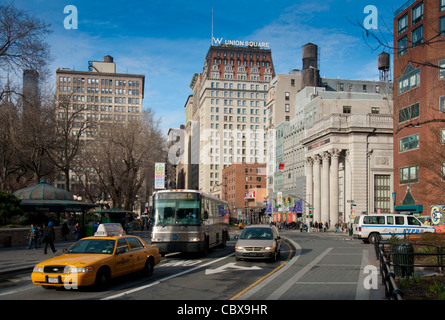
<point x="102" y="279"/>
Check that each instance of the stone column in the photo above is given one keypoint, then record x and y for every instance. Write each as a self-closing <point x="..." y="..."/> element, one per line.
<point x="309" y="183"/>
<point x="348" y="188"/>
<point x="325" y="188"/>
<point x="317" y="190"/>
<point x="333" y="190"/>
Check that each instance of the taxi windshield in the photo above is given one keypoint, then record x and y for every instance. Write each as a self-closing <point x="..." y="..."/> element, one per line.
<point x="98" y="246"/>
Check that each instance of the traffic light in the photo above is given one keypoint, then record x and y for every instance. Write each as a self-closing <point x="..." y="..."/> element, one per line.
<point x="288" y="199"/>
<point x="310" y="213"/>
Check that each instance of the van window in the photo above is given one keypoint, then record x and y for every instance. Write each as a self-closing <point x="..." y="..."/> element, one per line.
<point x="400" y="220"/>
<point x="413" y="221"/>
<point x="390" y="220"/>
<point x="374" y="220"/>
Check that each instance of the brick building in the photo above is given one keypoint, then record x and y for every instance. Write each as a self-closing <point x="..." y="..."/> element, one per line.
<point x="244" y="188"/>
<point x="419" y="95"/>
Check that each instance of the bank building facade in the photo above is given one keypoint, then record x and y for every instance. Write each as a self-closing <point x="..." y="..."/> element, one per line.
<point x="348" y="152"/>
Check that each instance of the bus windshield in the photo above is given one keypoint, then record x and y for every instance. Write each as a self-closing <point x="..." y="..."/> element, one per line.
<point x="177" y="209"/>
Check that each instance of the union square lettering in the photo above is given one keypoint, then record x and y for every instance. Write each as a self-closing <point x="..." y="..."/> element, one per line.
<point x="240" y="43"/>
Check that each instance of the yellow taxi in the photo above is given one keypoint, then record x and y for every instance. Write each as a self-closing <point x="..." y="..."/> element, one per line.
<point x="95" y="260"/>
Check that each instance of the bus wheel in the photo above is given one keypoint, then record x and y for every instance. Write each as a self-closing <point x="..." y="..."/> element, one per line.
<point x="373" y="238"/>
<point x="205" y="251"/>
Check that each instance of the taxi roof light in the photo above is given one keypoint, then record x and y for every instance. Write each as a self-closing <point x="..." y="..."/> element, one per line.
<point x="109" y="229"/>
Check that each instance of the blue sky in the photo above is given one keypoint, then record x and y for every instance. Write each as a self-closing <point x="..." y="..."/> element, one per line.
<point x="167" y="41"/>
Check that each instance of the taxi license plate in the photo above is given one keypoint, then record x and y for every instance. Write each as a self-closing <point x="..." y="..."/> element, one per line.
<point x="53" y="279"/>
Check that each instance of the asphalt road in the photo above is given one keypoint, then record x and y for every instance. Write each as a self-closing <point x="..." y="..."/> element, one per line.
<point x="312" y="266"/>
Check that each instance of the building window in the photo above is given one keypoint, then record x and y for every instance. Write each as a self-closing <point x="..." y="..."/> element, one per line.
<point x="375" y="110"/>
<point x="402" y="45"/>
<point x="442" y="104"/>
<point x="409" y="80"/>
<point x="409" y="143"/>
<point x="443" y="170"/>
<point x="382" y="193"/>
<point x="408" y="175"/>
<point x="409" y="113"/>
<point x="442" y="69"/>
<point x="287" y="108"/>
<point x="442" y="26"/>
<point x="417" y="13"/>
<point x="442" y="136"/>
<point x="417" y="36"/>
<point x="346" y="109"/>
<point x="403" y="24"/>
<point x="441" y="5"/>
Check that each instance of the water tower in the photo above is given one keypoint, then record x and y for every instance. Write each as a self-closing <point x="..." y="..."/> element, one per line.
<point x="384" y="66"/>
<point x="310" y="72"/>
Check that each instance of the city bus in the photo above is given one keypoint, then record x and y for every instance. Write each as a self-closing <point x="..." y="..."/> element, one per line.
<point x="189" y="221"/>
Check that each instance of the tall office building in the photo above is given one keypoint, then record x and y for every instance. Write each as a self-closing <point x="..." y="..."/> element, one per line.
<point x="226" y="115"/>
<point x="100" y="95"/>
<point x="419" y="106"/>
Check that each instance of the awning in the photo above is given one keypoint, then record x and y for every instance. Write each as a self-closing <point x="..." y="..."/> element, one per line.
<point x="410" y="208"/>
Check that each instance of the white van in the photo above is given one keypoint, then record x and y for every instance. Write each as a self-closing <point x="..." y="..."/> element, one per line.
<point x="369" y="227"/>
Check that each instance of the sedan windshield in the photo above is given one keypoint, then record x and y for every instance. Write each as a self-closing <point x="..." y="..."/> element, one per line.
<point x="98" y="246"/>
<point x="257" y="233"/>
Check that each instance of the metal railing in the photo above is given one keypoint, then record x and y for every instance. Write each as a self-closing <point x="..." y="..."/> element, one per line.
<point x="385" y="254"/>
<point x="392" y="291"/>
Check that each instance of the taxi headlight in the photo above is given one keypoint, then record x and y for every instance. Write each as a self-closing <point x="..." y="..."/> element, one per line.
<point x="196" y="239"/>
<point x="239" y="248"/>
<point x="81" y="269"/>
<point x="268" y="248"/>
<point x="37" y="269"/>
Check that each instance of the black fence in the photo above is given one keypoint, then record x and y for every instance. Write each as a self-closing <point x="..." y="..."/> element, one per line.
<point x="399" y="260"/>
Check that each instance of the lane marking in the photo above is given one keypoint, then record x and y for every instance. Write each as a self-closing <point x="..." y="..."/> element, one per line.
<point x="289" y="283"/>
<point x="166" y="278"/>
<point x="262" y="282"/>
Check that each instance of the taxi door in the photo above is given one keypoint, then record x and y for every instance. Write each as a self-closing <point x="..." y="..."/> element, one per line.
<point x="139" y="253"/>
<point x="124" y="258"/>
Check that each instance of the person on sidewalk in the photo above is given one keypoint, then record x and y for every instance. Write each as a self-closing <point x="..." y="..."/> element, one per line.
<point x="48" y="237"/>
<point x="65" y="231"/>
<point x="33" y="235"/>
<point x="77" y="232"/>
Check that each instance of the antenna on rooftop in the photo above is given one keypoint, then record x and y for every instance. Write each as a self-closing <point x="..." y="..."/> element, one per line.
<point x="211" y="41"/>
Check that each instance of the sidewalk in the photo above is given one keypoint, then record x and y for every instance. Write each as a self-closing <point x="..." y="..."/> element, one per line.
<point x="15" y="259"/>
<point x="21" y="258"/>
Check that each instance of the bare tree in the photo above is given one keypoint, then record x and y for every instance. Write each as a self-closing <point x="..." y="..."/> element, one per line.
<point x="122" y="155"/>
<point x="22" y="44"/>
<point x="71" y="126"/>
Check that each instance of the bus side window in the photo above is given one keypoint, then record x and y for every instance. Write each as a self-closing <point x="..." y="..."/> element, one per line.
<point x="400" y="220"/>
<point x="390" y="220"/>
<point x="381" y="220"/>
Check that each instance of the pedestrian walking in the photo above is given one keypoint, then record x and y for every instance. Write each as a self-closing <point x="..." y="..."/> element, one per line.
<point x="65" y="231"/>
<point x="77" y="232"/>
<point x="336" y="228"/>
<point x="40" y="235"/>
<point x="33" y="236"/>
<point x="49" y="237"/>
<point x="320" y="226"/>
